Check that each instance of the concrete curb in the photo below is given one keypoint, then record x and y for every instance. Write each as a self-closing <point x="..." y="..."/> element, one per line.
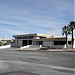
<point x="60" y="50"/>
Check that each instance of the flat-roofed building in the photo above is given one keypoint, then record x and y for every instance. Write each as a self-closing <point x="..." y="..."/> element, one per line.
<point x="28" y="39"/>
<point x="5" y="41"/>
<point x="55" y="42"/>
<point x="40" y="39"/>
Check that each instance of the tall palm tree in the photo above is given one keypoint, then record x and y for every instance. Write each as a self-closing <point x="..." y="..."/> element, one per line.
<point x="72" y="27"/>
<point x="66" y="31"/>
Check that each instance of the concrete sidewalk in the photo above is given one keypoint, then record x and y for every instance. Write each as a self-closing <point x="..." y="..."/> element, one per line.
<point x="38" y="49"/>
<point x="60" y="50"/>
<point x="70" y="50"/>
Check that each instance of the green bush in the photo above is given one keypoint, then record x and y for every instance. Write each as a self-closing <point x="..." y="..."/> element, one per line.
<point x="1" y="44"/>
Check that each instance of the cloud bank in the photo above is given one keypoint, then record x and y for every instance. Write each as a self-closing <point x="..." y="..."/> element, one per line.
<point x="35" y="16"/>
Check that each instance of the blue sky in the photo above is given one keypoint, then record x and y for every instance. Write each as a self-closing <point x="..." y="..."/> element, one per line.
<point x="35" y="16"/>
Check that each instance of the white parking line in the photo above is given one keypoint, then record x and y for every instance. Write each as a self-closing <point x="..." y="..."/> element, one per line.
<point x="40" y="65"/>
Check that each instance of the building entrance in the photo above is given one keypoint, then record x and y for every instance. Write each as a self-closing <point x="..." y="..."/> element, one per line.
<point x="27" y="42"/>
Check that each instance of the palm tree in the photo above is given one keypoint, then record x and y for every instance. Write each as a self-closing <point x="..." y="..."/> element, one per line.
<point x="66" y="31"/>
<point x="72" y="27"/>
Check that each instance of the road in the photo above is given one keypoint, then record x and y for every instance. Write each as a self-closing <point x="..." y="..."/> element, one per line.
<point x="17" y="62"/>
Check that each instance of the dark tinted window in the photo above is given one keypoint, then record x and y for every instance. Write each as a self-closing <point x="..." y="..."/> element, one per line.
<point x="59" y="42"/>
<point x="19" y="37"/>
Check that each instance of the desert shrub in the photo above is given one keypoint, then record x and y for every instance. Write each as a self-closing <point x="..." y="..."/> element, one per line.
<point x="1" y="44"/>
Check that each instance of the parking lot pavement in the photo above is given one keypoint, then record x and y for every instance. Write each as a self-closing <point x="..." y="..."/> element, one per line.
<point x="19" y="67"/>
<point x="15" y="62"/>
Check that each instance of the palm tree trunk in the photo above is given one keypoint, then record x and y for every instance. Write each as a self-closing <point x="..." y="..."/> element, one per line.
<point x="72" y="38"/>
<point x="66" y="42"/>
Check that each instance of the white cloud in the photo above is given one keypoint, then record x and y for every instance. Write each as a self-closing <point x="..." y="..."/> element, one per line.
<point x="11" y="31"/>
<point x="46" y="16"/>
<point x="9" y="23"/>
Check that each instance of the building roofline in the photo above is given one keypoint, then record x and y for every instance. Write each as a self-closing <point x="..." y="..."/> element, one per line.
<point x="53" y="39"/>
<point x="24" y="35"/>
<point x="35" y="34"/>
<point x="48" y="37"/>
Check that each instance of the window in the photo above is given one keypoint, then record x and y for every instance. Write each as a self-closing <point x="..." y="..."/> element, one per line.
<point x="29" y="42"/>
<point x="69" y="42"/>
<point x="37" y="43"/>
<point x="19" y="37"/>
<point x="42" y="37"/>
<point x="40" y="42"/>
<point x="24" y="37"/>
<point x="30" y="37"/>
<point x="59" y="42"/>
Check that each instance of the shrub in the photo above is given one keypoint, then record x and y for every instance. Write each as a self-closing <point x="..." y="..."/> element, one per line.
<point x="1" y="44"/>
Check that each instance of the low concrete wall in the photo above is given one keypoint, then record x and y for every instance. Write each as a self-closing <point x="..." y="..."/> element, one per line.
<point x="6" y="46"/>
<point x="60" y="46"/>
<point x="74" y="45"/>
<point x="31" y="46"/>
<point x="57" y="46"/>
<point x="25" y="47"/>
